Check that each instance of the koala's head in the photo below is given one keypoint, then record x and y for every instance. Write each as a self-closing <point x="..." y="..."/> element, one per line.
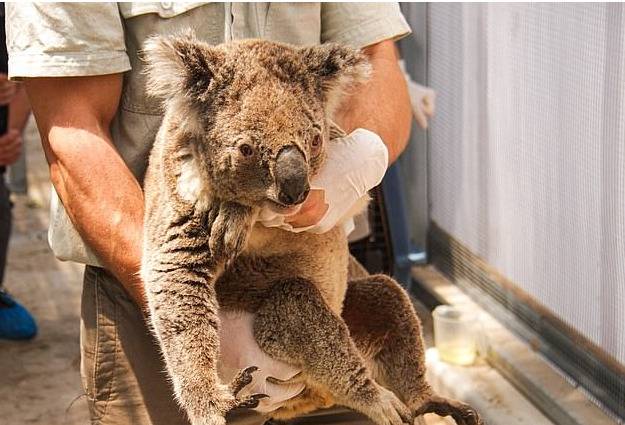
<point x="254" y="115"/>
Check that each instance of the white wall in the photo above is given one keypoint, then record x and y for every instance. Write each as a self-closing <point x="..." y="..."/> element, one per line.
<point x="527" y="152"/>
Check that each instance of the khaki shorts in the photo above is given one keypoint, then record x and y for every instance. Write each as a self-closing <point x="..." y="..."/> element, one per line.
<point x="121" y="367"/>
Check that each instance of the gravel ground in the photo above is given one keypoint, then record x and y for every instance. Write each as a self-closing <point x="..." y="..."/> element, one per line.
<point x="39" y="379"/>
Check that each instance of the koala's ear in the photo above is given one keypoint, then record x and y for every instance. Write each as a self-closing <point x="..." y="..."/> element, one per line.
<point x="180" y="65"/>
<point x="336" y="68"/>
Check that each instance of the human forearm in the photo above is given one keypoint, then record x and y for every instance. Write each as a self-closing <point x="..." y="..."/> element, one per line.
<point x="382" y="104"/>
<point x="103" y="200"/>
<point x="102" y="197"/>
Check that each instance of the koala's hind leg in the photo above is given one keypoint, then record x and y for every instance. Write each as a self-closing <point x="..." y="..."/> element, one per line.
<point x="386" y="329"/>
<point x="296" y="326"/>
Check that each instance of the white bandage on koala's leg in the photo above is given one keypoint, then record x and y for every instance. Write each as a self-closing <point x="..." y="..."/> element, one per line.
<point x="239" y="350"/>
<point x="355" y="164"/>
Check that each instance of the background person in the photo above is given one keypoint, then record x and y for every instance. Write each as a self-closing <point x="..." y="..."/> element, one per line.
<point x="15" y="321"/>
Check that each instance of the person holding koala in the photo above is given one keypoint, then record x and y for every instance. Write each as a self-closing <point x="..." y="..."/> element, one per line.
<point x="83" y="71"/>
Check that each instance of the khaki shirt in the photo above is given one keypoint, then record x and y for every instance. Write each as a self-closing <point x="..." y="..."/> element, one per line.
<point x="78" y="39"/>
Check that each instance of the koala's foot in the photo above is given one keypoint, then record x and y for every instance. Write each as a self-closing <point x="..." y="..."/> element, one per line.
<point x="318" y="340"/>
<point x="227" y="398"/>
<point x="462" y="413"/>
<point x="388" y="409"/>
<point x="244" y="378"/>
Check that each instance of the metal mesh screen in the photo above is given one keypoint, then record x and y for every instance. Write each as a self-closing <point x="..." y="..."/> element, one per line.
<point x="527" y="152"/>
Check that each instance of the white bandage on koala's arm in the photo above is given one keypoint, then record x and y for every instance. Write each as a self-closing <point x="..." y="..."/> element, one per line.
<point x="238" y="350"/>
<point x="355" y="164"/>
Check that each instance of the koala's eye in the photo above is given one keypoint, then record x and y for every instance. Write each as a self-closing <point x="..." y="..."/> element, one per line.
<point x="246" y="150"/>
<point x="315" y="144"/>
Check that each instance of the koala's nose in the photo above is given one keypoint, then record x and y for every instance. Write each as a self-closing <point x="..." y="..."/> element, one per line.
<point x="292" y="176"/>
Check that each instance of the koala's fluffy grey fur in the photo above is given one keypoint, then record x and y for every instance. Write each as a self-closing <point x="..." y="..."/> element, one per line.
<point x="245" y="126"/>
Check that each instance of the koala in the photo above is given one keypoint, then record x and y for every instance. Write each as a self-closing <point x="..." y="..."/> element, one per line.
<point x="245" y="127"/>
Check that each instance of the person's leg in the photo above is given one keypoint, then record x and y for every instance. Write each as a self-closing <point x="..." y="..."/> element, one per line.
<point x="17" y="176"/>
<point x="5" y="225"/>
<point x="15" y="321"/>
<point x="122" y="369"/>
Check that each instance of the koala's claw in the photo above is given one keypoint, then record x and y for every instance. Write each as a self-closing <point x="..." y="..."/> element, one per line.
<point x="243" y="378"/>
<point x="295" y="379"/>
<point x="462" y="413"/>
<point x="251" y="401"/>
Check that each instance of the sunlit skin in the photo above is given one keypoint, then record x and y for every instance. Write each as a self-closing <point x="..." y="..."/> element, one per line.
<point x="10" y="147"/>
<point x="13" y="95"/>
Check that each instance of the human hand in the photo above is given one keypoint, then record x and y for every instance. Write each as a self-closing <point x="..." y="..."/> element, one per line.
<point x="10" y="147"/>
<point x="355" y="164"/>
<point x="422" y="99"/>
<point x="7" y="89"/>
<point x="238" y="350"/>
<point x="311" y="212"/>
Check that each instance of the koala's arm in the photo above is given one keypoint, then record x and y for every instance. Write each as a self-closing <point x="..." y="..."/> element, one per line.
<point x="102" y="197"/>
<point x="180" y="273"/>
<point x="186" y="245"/>
<point x="382" y="105"/>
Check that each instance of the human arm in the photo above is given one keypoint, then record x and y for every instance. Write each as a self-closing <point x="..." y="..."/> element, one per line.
<point x="14" y="96"/>
<point x="381" y="106"/>
<point x="101" y="196"/>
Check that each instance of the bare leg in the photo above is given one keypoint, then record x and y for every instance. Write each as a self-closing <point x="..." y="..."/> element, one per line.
<point x="386" y="329"/>
<point x="296" y="326"/>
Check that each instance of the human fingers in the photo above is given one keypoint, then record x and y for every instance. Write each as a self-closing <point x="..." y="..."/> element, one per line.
<point x="9" y="156"/>
<point x="10" y="139"/>
<point x="9" y="159"/>
<point x="7" y="91"/>
<point x="420" y="116"/>
<point x="312" y="211"/>
<point x="429" y="103"/>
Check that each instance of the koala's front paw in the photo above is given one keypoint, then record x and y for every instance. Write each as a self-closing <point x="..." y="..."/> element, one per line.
<point x="462" y="413"/>
<point x="239" y="382"/>
<point x="226" y="398"/>
<point x="230" y="225"/>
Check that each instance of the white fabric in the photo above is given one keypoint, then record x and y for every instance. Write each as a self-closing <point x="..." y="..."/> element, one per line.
<point x="422" y="99"/>
<point x="239" y="350"/>
<point x="355" y="164"/>
<point x="528" y="151"/>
